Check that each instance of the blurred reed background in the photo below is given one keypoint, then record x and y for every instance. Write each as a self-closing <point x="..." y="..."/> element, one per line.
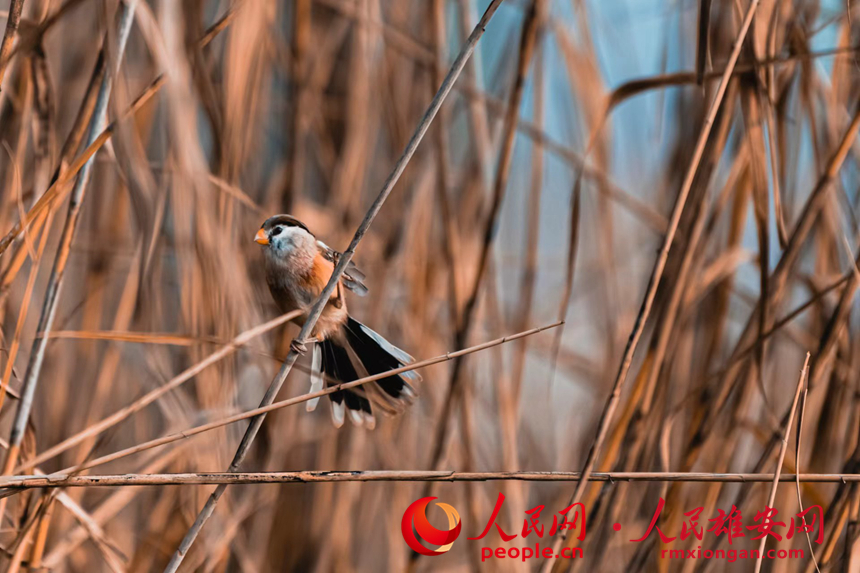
<point x="556" y="161"/>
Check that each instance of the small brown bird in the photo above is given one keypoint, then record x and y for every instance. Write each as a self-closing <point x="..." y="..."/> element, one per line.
<point x="298" y="267"/>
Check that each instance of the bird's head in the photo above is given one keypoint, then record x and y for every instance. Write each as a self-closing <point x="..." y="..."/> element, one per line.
<point x="284" y="233"/>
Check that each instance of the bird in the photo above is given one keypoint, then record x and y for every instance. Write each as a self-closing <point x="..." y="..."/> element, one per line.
<point x="298" y="266"/>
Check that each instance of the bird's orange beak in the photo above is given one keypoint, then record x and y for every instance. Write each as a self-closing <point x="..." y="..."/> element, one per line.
<point x="261" y="237"/>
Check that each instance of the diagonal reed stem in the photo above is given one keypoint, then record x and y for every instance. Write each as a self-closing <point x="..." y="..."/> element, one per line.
<point x="343" y="261"/>
<point x="656" y="274"/>
<point x="12" y="21"/>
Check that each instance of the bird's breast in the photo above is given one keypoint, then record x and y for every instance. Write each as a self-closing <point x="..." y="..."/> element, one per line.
<point x="296" y="285"/>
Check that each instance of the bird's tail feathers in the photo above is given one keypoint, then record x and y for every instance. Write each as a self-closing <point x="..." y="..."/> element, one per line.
<point x="361" y="352"/>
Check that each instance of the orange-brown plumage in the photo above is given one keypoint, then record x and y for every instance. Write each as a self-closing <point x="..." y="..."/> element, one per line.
<point x="319" y="274"/>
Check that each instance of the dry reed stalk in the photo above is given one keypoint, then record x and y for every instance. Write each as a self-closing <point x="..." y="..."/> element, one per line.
<point x="510" y="392"/>
<point x="111" y="358"/>
<point x="108" y="551"/>
<point x="783" y="448"/>
<point x="631" y="437"/>
<point x="528" y="279"/>
<point x="637" y="86"/>
<point x="585" y="78"/>
<point x="657" y="272"/>
<point x="450" y="241"/>
<point x="22" y="547"/>
<point x="63" y="480"/>
<point x="38" y="550"/>
<point x="779" y="214"/>
<point x="798" y="441"/>
<point x="643" y="398"/>
<point x="22" y="314"/>
<point x="13" y="19"/>
<point x="137" y="337"/>
<point x="702" y="39"/>
<point x="27" y="42"/>
<point x="477" y="110"/>
<point x="453" y="394"/>
<point x="761" y="209"/>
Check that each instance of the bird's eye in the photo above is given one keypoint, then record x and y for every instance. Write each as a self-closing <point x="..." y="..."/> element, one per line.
<point x="276" y="231"/>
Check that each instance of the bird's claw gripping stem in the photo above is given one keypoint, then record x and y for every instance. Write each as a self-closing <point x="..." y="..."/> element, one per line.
<point x="299" y="347"/>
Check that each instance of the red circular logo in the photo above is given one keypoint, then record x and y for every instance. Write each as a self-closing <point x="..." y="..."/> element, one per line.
<point x="416" y="514"/>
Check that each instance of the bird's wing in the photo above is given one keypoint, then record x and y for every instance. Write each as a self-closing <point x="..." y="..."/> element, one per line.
<point x="353" y="279"/>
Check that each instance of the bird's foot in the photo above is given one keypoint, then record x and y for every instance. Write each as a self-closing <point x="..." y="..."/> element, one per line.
<point x="299" y="347"/>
